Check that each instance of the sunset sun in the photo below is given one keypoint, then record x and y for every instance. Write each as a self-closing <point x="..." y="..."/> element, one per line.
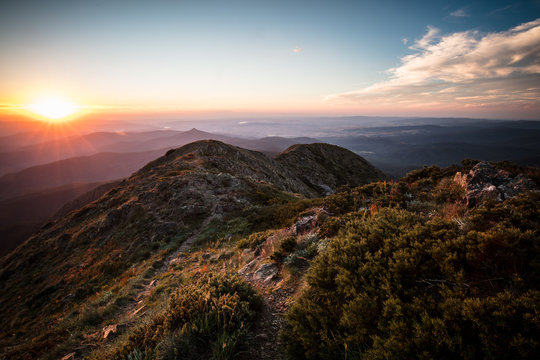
<point x="55" y="109"/>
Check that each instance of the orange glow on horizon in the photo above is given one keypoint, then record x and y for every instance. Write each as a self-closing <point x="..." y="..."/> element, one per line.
<point x="53" y="109"/>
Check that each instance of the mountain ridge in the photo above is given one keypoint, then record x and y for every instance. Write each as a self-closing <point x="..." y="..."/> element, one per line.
<point x="204" y="225"/>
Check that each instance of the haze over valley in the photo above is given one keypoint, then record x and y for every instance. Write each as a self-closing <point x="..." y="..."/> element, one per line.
<point x="61" y="169"/>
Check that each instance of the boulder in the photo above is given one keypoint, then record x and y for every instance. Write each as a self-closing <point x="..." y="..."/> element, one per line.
<point x="305" y="224"/>
<point x="267" y="272"/>
<point x="485" y="182"/>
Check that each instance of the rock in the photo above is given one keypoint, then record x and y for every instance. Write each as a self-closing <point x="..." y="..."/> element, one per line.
<point x="305" y="224"/>
<point x="109" y="330"/>
<point x="248" y="267"/>
<point x="486" y="182"/>
<point x="267" y="272"/>
<point x="69" y="356"/>
<point x="137" y="311"/>
<point x="325" y="189"/>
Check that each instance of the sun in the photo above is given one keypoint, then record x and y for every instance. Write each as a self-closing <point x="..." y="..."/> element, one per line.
<point x="52" y="108"/>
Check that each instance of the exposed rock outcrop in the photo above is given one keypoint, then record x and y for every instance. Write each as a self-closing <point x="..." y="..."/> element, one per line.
<point x="486" y="182"/>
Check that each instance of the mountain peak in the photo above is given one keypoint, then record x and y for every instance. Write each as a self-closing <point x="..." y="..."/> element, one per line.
<point x="324" y="167"/>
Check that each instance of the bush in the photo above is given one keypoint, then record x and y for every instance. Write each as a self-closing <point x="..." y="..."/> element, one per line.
<point x="277" y="216"/>
<point x="206" y="319"/>
<point x="447" y="191"/>
<point x="331" y="226"/>
<point x="253" y="240"/>
<point x="399" y="286"/>
<point x="285" y="247"/>
<point x="377" y="194"/>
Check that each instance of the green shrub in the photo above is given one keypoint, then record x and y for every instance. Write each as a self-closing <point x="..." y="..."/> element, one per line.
<point x="206" y="319"/>
<point x="285" y="247"/>
<point x="363" y="198"/>
<point x="307" y="249"/>
<point x="448" y="191"/>
<point x="253" y="240"/>
<point x="139" y="355"/>
<point x="277" y="216"/>
<point x="397" y="286"/>
<point x="331" y="226"/>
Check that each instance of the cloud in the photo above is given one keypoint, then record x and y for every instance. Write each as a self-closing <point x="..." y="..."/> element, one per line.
<point x="459" y="13"/>
<point x="499" y="10"/>
<point x="467" y="69"/>
<point x="426" y="40"/>
<point x="297" y="49"/>
<point x="404" y="41"/>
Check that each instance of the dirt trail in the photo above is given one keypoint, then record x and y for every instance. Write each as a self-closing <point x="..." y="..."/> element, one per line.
<point x="137" y="306"/>
<point x="264" y="342"/>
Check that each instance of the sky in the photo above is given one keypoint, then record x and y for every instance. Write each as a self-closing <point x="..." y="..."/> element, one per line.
<point x="384" y="58"/>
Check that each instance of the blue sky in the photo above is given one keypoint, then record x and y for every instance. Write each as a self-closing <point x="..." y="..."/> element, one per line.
<point x="281" y="56"/>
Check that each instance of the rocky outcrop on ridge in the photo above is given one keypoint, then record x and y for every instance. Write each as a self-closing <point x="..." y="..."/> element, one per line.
<point x="487" y="182"/>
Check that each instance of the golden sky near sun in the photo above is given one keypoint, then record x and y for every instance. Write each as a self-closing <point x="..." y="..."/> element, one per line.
<point x="344" y="57"/>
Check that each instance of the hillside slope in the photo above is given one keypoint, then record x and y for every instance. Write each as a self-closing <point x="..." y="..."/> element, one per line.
<point x="325" y="167"/>
<point x="163" y="208"/>
<point x="22" y="215"/>
<point x="93" y="168"/>
<point x="211" y="251"/>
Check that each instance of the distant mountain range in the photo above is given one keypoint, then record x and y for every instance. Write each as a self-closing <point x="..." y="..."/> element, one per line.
<point x="397" y="149"/>
<point x="34" y="161"/>
<point x="16" y="159"/>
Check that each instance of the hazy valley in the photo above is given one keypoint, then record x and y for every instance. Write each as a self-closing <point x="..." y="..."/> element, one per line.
<point x="43" y="164"/>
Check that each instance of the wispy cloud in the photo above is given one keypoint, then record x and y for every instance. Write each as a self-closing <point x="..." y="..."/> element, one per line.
<point x="297" y="49"/>
<point x="459" y="13"/>
<point x="467" y="69"/>
<point x="499" y="10"/>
